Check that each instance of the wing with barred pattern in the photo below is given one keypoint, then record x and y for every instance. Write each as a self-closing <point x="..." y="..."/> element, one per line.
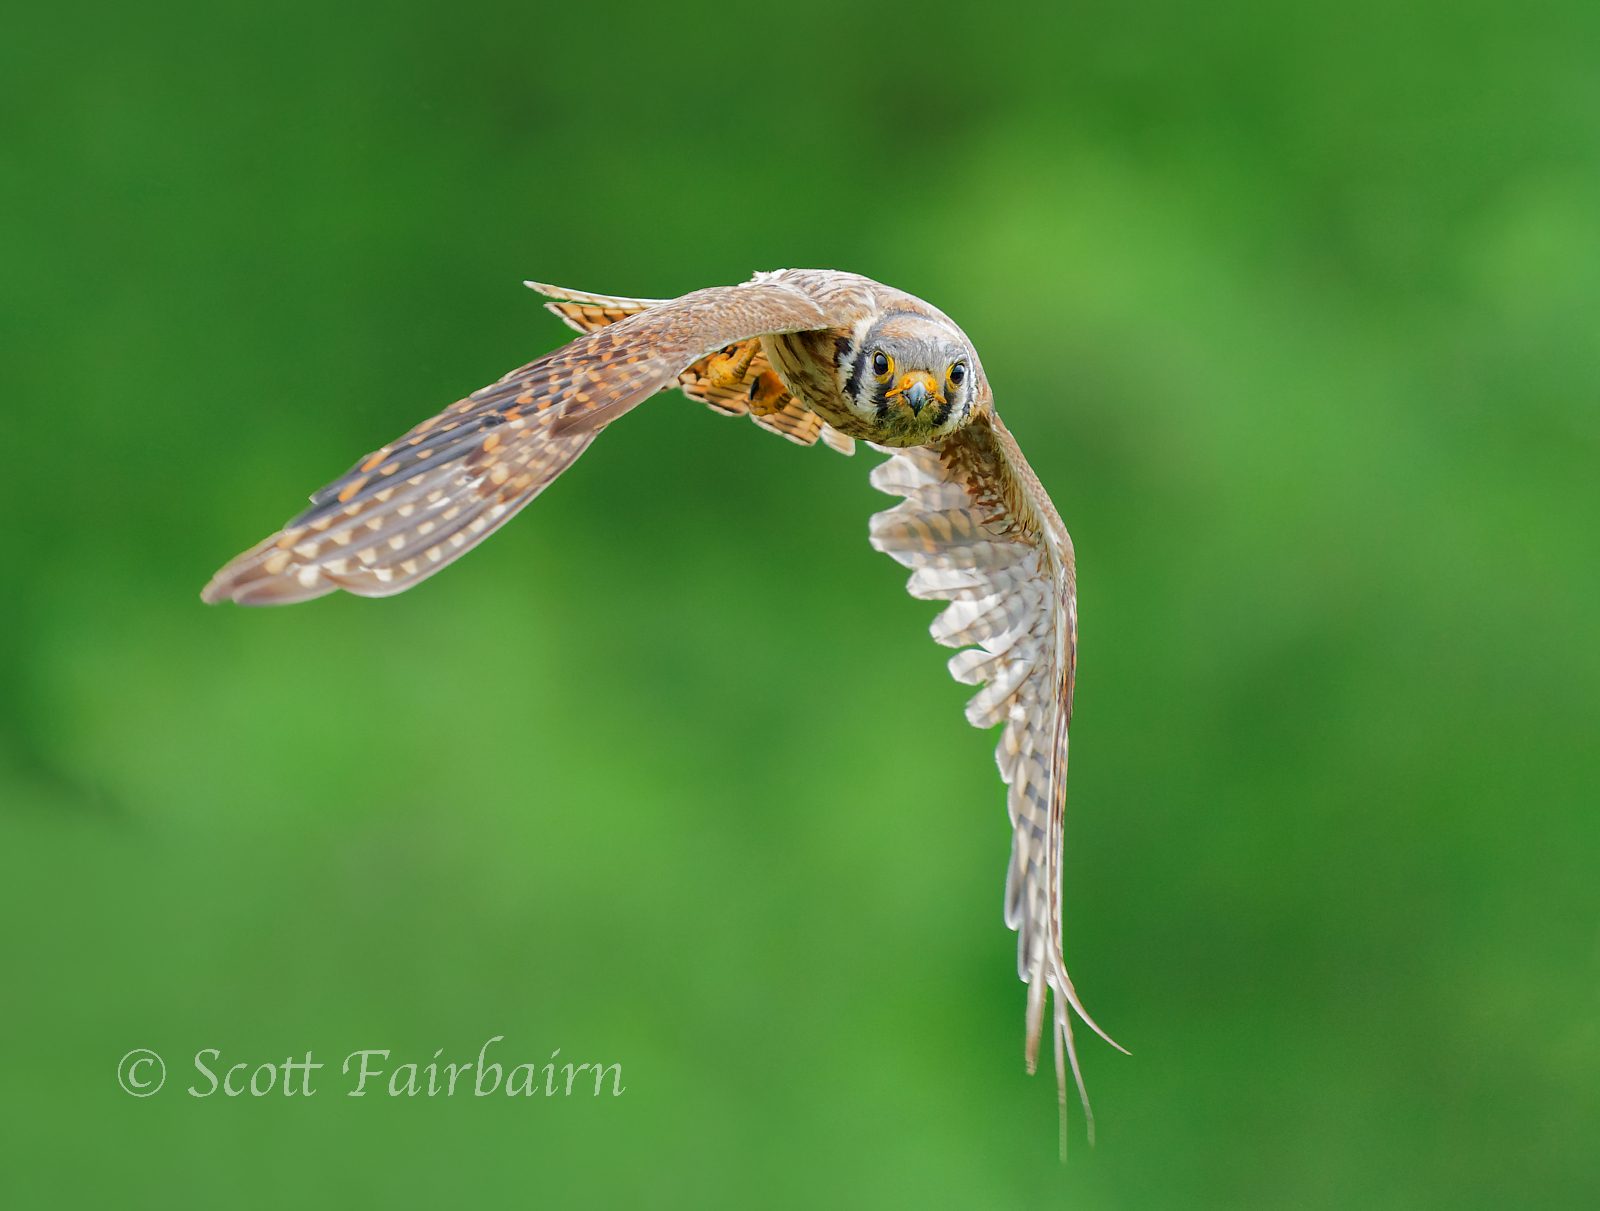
<point x="414" y="505"/>
<point x="977" y="530"/>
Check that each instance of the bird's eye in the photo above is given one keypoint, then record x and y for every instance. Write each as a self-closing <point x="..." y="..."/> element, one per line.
<point x="957" y="373"/>
<point x="882" y="363"/>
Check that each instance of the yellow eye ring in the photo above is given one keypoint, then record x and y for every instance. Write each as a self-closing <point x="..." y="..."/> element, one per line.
<point x="882" y="365"/>
<point x="957" y="374"/>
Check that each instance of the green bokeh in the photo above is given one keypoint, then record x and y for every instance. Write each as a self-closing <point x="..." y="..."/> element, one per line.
<point x="1294" y="310"/>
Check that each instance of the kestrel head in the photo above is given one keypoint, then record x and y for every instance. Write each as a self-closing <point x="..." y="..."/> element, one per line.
<point x="912" y="378"/>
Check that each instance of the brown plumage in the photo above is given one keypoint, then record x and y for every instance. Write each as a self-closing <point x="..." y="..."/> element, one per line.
<point x="812" y="355"/>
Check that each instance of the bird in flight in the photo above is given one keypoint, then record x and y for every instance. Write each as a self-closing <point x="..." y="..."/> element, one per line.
<point x="813" y="355"/>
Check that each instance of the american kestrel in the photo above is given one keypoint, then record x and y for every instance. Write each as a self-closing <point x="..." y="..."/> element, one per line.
<point x="811" y="354"/>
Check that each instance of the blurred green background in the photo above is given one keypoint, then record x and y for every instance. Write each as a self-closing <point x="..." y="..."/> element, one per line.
<point x="1293" y="310"/>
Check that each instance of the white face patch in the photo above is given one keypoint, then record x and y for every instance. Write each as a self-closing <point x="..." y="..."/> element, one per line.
<point x="859" y="402"/>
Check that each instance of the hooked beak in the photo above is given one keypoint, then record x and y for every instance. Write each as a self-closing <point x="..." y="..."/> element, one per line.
<point x="916" y="390"/>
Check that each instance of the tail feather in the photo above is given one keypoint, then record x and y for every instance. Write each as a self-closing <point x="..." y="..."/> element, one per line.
<point x="752" y="390"/>
<point x="584" y="312"/>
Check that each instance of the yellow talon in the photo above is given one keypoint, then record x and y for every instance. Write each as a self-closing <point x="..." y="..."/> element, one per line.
<point x="728" y="368"/>
<point x="767" y="394"/>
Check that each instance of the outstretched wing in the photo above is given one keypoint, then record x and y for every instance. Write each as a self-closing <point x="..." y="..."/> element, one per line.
<point x="423" y="500"/>
<point x="978" y="531"/>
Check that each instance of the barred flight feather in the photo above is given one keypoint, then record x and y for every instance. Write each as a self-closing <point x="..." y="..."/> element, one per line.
<point x="417" y="504"/>
<point x="976" y="530"/>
